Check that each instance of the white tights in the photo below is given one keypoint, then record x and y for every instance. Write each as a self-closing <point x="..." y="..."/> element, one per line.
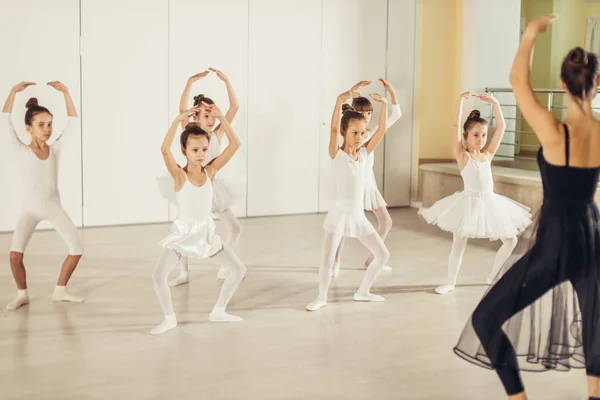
<point x="384" y="225"/>
<point x="169" y="259"/>
<point x="234" y="231"/>
<point x="56" y="215"/>
<point x="331" y="245"/>
<point x="459" y="244"/>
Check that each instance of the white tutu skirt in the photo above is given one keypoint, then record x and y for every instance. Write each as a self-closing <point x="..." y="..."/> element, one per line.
<point x="193" y="239"/>
<point x="228" y="190"/>
<point x="348" y="224"/>
<point x="478" y="215"/>
<point x="373" y="198"/>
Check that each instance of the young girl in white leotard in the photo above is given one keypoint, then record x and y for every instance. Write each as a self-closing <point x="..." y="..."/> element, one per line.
<point x="228" y="190"/>
<point x="477" y="212"/>
<point x="38" y="162"/>
<point x="373" y="199"/>
<point x="193" y="233"/>
<point x="346" y="218"/>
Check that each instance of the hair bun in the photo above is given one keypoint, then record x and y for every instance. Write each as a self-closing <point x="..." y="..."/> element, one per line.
<point x="579" y="71"/>
<point x="577" y="57"/>
<point x="346" y="108"/>
<point x="33" y="102"/>
<point x="199" y="97"/>
<point x="474" y="114"/>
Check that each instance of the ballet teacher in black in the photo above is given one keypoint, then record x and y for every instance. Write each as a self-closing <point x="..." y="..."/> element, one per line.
<point x="543" y="312"/>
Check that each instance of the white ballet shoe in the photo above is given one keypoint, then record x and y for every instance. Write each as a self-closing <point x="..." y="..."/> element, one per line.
<point x="367" y="297"/>
<point x="19" y="301"/>
<point x="317" y="304"/>
<point x="385" y="268"/>
<point x="60" y="294"/>
<point x="169" y="323"/>
<point x="444" y="289"/>
<point x="218" y="314"/>
<point x="180" y="280"/>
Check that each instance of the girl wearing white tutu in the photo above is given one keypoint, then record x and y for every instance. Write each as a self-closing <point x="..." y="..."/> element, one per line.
<point x="346" y="218"/>
<point x="228" y="189"/>
<point x="193" y="233"/>
<point x="373" y="199"/>
<point x="477" y="212"/>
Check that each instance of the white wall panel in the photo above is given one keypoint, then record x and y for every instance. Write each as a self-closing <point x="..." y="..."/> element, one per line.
<point x="125" y="109"/>
<point x="401" y="58"/>
<point x="283" y="98"/>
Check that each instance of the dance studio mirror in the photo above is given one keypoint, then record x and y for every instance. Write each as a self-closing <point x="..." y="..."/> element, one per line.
<point x="578" y="25"/>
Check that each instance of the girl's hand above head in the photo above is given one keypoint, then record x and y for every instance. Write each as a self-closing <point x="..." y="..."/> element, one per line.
<point x="468" y="94"/>
<point x="185" y="116"/>
<point x="386" y="85"/>
<point x="61" y="87"/>
<point x="359" y="85"/>
<point x="58" y="86"/>
<point x="353" y="92"/>
<point x="205" y="107"/>
<point x="19" y="87"/>
<point x="216" y="112"/>
<point x="488" y="99"/>
<point x="350" y="94"/>
<point x="378" y="98"/>
<point x="221" y="75"/>
<point x="199" y="76"/>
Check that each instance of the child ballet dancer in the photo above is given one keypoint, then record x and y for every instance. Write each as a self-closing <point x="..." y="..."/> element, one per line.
<point x="346" y="218"/>
<point x="193" y="232"/>
<point x="544" y="311"/>
<point x="38" y="162"/>
<point x="477" y="212"/>
<point x="228" y="190"/>
<point x="373" y="199"/>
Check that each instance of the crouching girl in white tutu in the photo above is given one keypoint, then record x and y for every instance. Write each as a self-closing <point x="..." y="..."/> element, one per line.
<point x="477" y="212"/>
<point x="193" y="232"/>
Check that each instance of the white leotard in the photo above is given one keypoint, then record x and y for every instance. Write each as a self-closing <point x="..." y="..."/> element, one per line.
<point x="346" y="217"/>
<point x="41" y="198"/>
<point x="193" y="231"/>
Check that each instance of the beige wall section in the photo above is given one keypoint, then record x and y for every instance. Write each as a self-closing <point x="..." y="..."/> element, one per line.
<point x="438" y="78"/>
<point x="542" y="62"/>
<point x="592" y="9"/>
<point x="540" y="71"/>
<point x="438" y="75"/>
<point x="568" y="32"/>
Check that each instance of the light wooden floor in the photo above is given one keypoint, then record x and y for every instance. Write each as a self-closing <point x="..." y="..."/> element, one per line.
<point x="400" y="349"/>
